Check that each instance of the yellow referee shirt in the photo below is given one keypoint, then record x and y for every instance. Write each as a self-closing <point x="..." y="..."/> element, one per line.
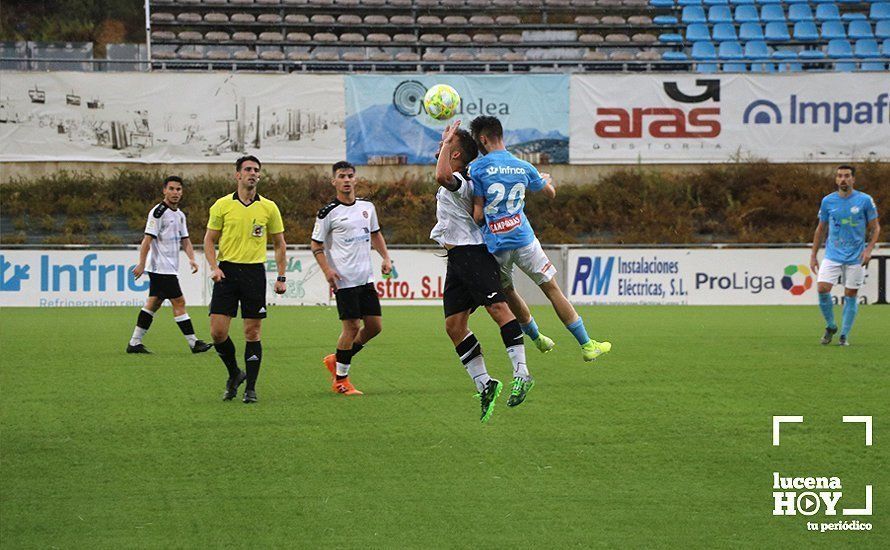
<point x="244" y="228"/>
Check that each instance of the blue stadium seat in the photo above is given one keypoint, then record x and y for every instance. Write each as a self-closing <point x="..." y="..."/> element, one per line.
<point x="693" y="14"/>
<point x="716" y="2"/>
<point x="664" y="20"/>
<point x="703" y="50"/>
<point x="879" y="11"/>
<point x="772" y="13"/>
<point x="860" y="29"/>
<point x="776" y="32"/>
<point x="706" y="67"/>
<point x="750" y="31"/>
<point x="800" y="12"/>
<point x="763" y="68"/>
<point x="661" y="3"/>
<point x="827" y="12"/>
<point x="795" y="1"/>
<point x="735" y="68"/>
<point x="740" y="2"/>
<point x="689" y="3"/>
<point x="756" y="49"/>
<point x="730" y="50"/>
<point x="866" y="47"/>
<point x="670" y="38"/>
<point x="824" y="1"/>
<point x="720" y="14"/>
<point x="786" y="61"/>
<point x="853" y="16"/>
<point x="811" y="55"/>
<point x="832" y="30"/>
<point x="845" y="67"/>
<point x="849" y="1"/>
<point x="764" y="2"/>
<point x="839" y="48"/>
<point x="882" y="29"/>
<point x="885" y="48"/>
<point x="724" y="31"/>
<point x="873" y="66"/>
<point x="746" y="14"/>
<point x="698" y="31"/>
<point x="806" y="31"/>
<point x="674" y="56"/>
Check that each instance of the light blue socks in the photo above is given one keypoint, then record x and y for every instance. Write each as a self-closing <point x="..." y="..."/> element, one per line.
<point x="851" y="307"/>
<point x="827" y="309"/>
<point x="579" y="331"/>
<point x="531" y="329"/>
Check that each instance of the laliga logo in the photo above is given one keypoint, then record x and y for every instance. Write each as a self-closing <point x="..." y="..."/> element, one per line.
<point x="664" y="122"/>
<point x="797" y="279"/>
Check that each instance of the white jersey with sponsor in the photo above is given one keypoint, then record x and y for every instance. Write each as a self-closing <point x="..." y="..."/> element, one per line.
<point x="454" y="214"/>
<point x="168" y="228"/>
<point x="345" y="230"/>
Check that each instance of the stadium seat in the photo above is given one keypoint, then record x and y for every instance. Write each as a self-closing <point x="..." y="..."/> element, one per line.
<point x="661" y="3"/>
<point x="298" y="37"/>
<point x="873" y="66"/>
<point x="771" y="13"/>
<point x="322" y="18"/>
<point x="879" y="11"/>
<point x="674" y="56"/>
<point x="513" y="38"/>
<point x="687" y="3"/>
<point x="296" y="18"/>
<point x="269" y="18"/>
<point x="454" y="20"/>
<point x="776" y="32"/>
<point x="735" y="68"/>
<point x="643" y="38"/>
<point x="859" y="29"/>
<point x="746" y="14"/>
<point x="703" y="50"/>
<point x="756" y="49"/>
<point x="697" y="31"/>
<point x="585" y="20"/>
<point x="832" y="30"/>
<point x="670" y="38"/>
<point x="827" y="12"/>
<point x="214" y="17"/>
<point x="241" y="18"/>
<point x="190" y="36"/>
<point x="800" y="12"/>
<point x="710" y="3"/>
<point x="882" y="29"/>
<point x="485" y="38"/>
<point x="401" y="38"/>
<point x="750" y="31"/>
<point x="725" y="31"/>
<point x="356" y="37"/>
<point x="349" y="19"/>
<point x="811" y="55"/>
<point x="616" y="37"/>
<point x="866" y="47"/>
<point x="805" y="31"/>
<point x="796" y="1"/>
<point x="162" y="17"/>
<point x="664" y="20"/>
<point x="786" y="61"/>
<point x="740" y="2"/>
<point x="507" y="19"/>
<point x="719" y="14"/>
<point x="591" y="38"/>
<point x="764" y="2"/>
<point x="693" y="14"/>
<point x="376" y="20"/>
<point x="839" y="48"/>
<point x="844" y="67"/>
<point x="247" y="36"/>
<point x="613" y="20"/>
<point x="885" y="47"/>
<point x="648" y="55"/>
<point x="730" y="50"/>
<point x="706" y="67"/>
<point x="853" y="16"/>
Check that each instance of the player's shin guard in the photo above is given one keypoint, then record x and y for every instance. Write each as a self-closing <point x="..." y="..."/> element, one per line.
<point x="226" y="352"/>
<point x="143" y="322"/>
<point x="253" y="356"/>
<point x="184" y="322"/>
<point x="511" y="334"/>
<point x="579" y="331"/>
<point x="851" y="307"/>
<point x="470" y="353"/>
<point x="827" y="309"/>
<point x="344" y="358"/>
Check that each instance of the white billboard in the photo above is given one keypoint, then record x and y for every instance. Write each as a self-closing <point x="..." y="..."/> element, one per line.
<point x="171" y="117"/>
<point x="776" y="276"/>
<point x="687" y="118"/>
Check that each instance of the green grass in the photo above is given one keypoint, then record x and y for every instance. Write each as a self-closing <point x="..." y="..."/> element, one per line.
<point x="666" y="442"/>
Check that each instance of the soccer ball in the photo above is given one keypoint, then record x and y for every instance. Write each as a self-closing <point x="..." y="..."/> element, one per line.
<point x="441" y="101"/>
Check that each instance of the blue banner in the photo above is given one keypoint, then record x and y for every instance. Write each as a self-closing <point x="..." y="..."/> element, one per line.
<point x="386" y="123"/>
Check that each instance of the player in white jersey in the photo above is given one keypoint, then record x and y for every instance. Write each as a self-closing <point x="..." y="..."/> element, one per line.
<point x="345" y="231"/>
<point x="472" y="277"/>
<point x="165" y="233"/>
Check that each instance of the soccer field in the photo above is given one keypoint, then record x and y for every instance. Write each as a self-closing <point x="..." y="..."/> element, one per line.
<point x="665" y="442"/>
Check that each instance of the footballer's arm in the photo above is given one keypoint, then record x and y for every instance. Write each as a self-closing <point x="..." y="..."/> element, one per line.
<point x="874" y="227"/>
<point x="211" y="237"/>
<point x="329" y="274"/>
<point x="280" y="246"/>
<point x="548" y="188"/>
<point x="378" y="243"/>
<point x="190" y="253"/>
<point x="143" y="256"/>
<point x="478" y="212"/>
<point x="817" y="243"/>
<point x="444" y="175"/>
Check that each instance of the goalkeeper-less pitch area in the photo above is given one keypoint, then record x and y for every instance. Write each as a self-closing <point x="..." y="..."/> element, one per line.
<point x="665" y="442"/>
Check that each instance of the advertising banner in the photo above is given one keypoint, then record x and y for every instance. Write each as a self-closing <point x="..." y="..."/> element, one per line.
<point x="418" y="277"/>
<point x="684" y="118"/>
<point x="705" y="277"/>
<point x="386" y="123"/>
<point x="171" y="117"/>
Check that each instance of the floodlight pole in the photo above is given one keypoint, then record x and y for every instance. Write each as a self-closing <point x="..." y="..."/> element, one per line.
<point x="148" y="33"/>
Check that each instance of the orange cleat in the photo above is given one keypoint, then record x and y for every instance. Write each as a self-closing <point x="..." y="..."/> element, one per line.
<point x="330" y="363"/>
<point x="345" y="387"/>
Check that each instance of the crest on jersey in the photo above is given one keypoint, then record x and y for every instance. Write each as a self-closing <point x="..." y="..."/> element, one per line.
<point x="258" y="230"/>
<point x="854" y="210"/>
<point x="365" y="213"/>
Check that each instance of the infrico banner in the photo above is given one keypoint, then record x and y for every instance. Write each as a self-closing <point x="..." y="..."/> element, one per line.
<point x="705" y="277"/>
<point x="694" y="118"/>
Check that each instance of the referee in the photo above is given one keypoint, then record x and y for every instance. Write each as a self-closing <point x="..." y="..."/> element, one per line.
<point x="242" y="223"/>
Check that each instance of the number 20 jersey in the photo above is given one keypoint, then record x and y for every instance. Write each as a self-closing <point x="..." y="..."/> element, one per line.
<point x="502" y="179"/>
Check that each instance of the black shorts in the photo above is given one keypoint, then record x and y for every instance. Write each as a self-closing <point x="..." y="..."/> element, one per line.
<point x="472" y="280"/>
<point x="244" y="283"/>
<point x="165" y="287"/>
<point x="357" y="301"/>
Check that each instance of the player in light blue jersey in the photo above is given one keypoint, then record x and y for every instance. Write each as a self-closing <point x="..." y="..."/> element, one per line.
<point x="845" y="215"/>
<point x="500" y="181"/>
